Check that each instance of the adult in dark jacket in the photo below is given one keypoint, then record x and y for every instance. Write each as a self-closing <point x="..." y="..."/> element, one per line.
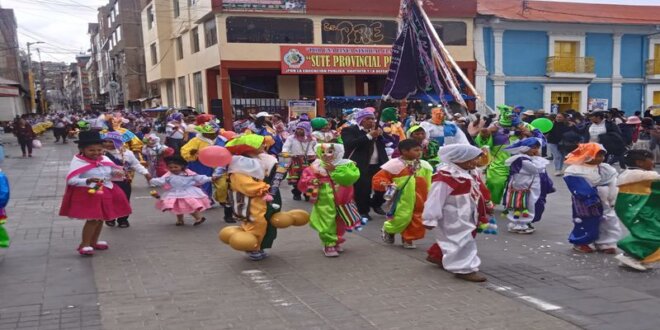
<point x="556" y="143"/>
<point x="364" y="145"/>
<point x="25" y="136"/>
<point x="609" y="135"/>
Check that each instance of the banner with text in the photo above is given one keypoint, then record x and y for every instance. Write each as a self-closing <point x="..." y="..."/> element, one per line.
<point x="298" y="107"/>
<point x="287" y="6"/>
<point x="335" y="60"/>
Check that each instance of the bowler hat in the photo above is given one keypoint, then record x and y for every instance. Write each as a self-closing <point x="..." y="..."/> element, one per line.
<point x="86" y="138"/>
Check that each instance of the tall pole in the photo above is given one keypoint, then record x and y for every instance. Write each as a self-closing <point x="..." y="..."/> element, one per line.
<point x="42" y="82"/>
<point x="30" y="76"/>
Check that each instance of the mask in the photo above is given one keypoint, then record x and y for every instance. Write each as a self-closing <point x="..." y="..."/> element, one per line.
<point x="437" y="116"/>
<point x="328" y="154"/>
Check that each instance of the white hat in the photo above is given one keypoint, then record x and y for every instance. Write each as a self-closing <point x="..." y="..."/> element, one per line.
<point x="263" y="114"/>
<point x="529" y="112"/>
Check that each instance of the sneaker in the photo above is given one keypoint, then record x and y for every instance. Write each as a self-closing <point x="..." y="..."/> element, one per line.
<point x="230" y="220"/>
<point x="264" y="254"/>
<point x="583" y="248"/>
<point x="387" y="237"/>
<point x="472" y="277"/>
<point x="409" y="245"/>
<point x="86" y="251"/>
<point x="339" y="248"/>
<point x="255" y="255"/>
<point x="111" y="223"/>
<point x="123" y="224"/>
<point x="330" y="252"/>
<point x="101" y="245"/>
<point x="626" y="261"/>
<point x="607" y="250"/>
<point x="526" y="229"/>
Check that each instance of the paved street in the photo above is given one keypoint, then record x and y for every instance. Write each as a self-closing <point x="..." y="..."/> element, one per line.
<point x="158" y="276"/>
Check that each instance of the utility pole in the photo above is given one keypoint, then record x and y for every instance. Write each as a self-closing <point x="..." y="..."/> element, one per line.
<point x="30" y="77"/>
<point x="42" y="82"/>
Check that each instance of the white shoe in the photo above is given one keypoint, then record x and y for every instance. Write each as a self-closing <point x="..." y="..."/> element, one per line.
<point x="630" y="262"/>
<point x="409" y="245"/>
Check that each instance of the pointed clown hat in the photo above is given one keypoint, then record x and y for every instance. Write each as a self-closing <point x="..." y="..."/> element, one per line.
<point x="247" y="143"/>
<point x="584" y="153"/>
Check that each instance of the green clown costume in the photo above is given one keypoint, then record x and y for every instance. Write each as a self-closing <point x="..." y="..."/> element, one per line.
<point x="324" y="186"/>
<point x="638" y="208"/>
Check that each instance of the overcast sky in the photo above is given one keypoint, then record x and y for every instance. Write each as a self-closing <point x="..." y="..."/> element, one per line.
<point x="62" y="24"/>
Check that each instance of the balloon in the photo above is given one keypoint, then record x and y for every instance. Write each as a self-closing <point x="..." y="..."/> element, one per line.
<point x="543" y="124"/>
<point x="228" y="134"/>
<point x="300" y="217"/>
<point x="372" y="109"/>
<point x="226" y="233"/>
<point x="281" y="220"/>
<point x="214" y="156"/>
<point x="244" y="241"/>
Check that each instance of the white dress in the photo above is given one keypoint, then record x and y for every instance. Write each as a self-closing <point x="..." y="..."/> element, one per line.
<point x="527" y="179"/>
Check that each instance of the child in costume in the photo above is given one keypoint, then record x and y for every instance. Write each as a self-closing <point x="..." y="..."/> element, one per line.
<point x="248" y="189"/>
<point x="154" y="154"/>
<point x="527" y="187"/>
<point x="330" y="182"/>
<point x="118" y="154"/>
<point x="208" y="136"/>
<point x="507" y="130"/>
<point x="4" y="199"/>
<point x="451" y="210"/>
<point x="638" y="207"/>
<point x="389" y="120"/>
<point x="90" y="194"/>
<point x="321" y="131"/>
<point x="429" y="147"/>
<point x="408" y="179"/>
<point x="182" y="193"/>
<point x="593" y="186"/>
<point x="299" y="147"/>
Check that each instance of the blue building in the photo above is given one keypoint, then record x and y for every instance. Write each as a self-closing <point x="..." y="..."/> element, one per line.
<point x="557" y="56"/>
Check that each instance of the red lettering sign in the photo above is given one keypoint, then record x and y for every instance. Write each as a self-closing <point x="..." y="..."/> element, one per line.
<point x="330" y="60"/>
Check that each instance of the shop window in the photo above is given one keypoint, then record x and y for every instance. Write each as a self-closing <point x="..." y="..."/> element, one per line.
<point x="264" y="30"/>
<point x="452" y="33"/>
<point x="210" y="32"/>
<point x="358" y="32"/>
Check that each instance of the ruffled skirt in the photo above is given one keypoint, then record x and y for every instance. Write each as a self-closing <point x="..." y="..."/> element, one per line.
<point x="78" y="203"/>
<point x="183" y="205"/>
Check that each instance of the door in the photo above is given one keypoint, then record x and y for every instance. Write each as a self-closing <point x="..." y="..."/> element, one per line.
<point x="566" y="56"/>
<point x="656" y="60"/>
<point x="656" y="98"/>
<point x="566" y="100"/>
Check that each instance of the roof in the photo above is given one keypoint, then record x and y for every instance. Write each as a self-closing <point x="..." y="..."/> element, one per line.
<point x="569" y="12"/>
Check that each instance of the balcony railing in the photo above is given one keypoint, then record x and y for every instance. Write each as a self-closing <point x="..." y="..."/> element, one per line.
<point x="652" y="67"/>
<point x="571" y="65"/>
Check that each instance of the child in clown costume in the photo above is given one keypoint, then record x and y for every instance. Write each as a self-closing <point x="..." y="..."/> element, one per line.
<point x="507" y="130"/>
<point x="527" y="187"/>
<point x="441" y="131"/>
<point x="451" y="210"/>
<point x="208" y="136"/>
<point x="593" y="186"/>
<point x="247" y="176"/>
<point x="321" y="131"/>
<point x="638" y="207"/>
<point x="328" y="174"/>
<point x="392" y="131"/>
<point x="411" y="178"/>
<point x="299" y="147"/>
<point x="429" y="147"/>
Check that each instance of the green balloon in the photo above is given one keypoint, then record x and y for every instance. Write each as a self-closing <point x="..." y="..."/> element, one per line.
<point x="543" y="124"/>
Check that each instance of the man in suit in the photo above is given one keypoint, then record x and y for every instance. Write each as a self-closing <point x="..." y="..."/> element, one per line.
<point x="364" y="145"/>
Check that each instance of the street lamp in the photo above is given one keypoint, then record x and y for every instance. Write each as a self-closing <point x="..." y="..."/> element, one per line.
<point x="30" y="78"/>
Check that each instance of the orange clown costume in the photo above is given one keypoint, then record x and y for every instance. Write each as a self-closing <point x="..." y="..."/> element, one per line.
<point x="247" y="180"/>
<point x="412" y="181"/>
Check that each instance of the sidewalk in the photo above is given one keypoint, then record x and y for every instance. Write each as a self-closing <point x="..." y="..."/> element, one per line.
<point x="158" y="276"/>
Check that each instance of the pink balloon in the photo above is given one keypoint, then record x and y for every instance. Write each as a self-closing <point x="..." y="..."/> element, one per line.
<point x="372" y="109"/>
<point x="214" y="156"/>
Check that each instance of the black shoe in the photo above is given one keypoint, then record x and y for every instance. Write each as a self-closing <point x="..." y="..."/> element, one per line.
<point x="123" y="224"/>
<point x="379" y="210"/>
<point x="230" y="220"/>
<point x="306" y="198"/>
<point x="111" y="223"/>
<point x="297" y="198"/>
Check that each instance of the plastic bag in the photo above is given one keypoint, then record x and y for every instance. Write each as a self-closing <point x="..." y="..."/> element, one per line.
<point x="36" y="144"/>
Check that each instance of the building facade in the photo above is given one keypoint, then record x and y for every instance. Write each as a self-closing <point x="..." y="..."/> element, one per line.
<point x="10" y="65"/>
<point x="559" y="56"/>
<point x="216" y="55"/>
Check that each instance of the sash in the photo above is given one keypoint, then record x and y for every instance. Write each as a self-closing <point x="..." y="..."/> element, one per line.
<point x="85" y="164"/>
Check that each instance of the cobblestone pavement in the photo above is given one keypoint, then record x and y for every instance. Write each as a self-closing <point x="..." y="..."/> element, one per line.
<point x="158" y="276"/>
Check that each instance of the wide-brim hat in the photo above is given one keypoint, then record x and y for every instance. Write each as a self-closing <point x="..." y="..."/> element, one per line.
<point x="89" y="137"/>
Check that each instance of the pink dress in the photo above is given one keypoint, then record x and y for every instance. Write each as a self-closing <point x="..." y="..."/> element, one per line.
<point x="182" y="193"/>
<point x="78" y="203"/>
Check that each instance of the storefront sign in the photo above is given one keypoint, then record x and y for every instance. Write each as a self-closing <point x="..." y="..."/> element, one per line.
<point x="297" y="108"/>
<point x="358" y="32"/>
<point x="598" y="104"/>
<point x="288" y="6"/>
<point x="335" y="60"/>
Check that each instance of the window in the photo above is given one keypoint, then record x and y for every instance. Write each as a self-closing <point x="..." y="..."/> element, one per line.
<point x="199" y="92"/>
<point x="175" y="7"/>
<point x="150" y="17"/>
<point x="118" y="32"/>
<point x="182" y="92"/>
<point x="179" y="48"/>
<point x="358" y="32"/>
<point x="254" y="84"/>
<point x="170" y="93"/>
<point x="109" y="21"/>
<point x="270" y="30"/>
<point x="210" y="32"/>
<point x="194" y="40"/>
<point x="154" y="54"/>
<point x="452" y="33"/>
